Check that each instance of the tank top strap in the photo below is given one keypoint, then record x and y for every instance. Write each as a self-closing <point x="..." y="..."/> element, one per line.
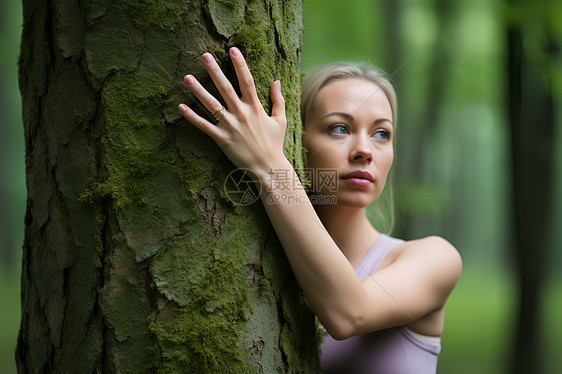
<point x="371" y="261"/>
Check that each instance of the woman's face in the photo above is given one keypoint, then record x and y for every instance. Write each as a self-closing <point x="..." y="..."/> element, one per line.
<point x="350" y="130"/>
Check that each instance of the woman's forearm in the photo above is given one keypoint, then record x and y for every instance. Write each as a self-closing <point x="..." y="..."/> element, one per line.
<point x="324" y="273"/>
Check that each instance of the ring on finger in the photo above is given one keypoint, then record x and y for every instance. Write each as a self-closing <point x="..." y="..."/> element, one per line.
<point x="219" y="114"/>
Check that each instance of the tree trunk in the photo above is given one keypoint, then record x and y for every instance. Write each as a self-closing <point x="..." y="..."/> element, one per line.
<point x="136" y="256"/>
<point x="531" y="115"/>
<point x="422" y="128"/>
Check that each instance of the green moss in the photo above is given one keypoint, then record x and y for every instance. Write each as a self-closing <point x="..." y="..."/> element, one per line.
<point x="253" y="38"/>
<point x="256" y="41"/>
<point x="135" y="99"/>
<point x="164" y="14"/>
<point x="79" y="117"/>
<point x="291" y="351"/>
<point x="181" y="267"/>
<point x="193" y="171"/>
<point x="229" y="3"/>
<point x="202" y="329"/>
<point x="203" y="335"/>
<point x="133" y="138"/>
<point x="265" y="288"/>
<point x="264" y="41"/>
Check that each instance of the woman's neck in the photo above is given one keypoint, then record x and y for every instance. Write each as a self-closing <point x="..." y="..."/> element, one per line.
<point x="350" y="228"/>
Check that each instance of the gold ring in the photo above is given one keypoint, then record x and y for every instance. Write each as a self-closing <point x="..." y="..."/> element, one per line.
<point x="219" y="114"/>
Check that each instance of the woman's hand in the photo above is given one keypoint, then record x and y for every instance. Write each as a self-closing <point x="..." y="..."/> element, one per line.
<point x="245" y="133"/>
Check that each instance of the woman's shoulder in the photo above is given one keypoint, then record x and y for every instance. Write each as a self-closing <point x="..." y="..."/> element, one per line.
<point x="428" y="246"/>
<point x="432" y="253"/>
<point x="432" y="242"/>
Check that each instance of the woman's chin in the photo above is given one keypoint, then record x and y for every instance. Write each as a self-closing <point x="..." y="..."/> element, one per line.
<point x="358" y="202"/>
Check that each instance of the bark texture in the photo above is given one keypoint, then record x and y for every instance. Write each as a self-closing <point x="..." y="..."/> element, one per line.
<point x="136" y="259"/>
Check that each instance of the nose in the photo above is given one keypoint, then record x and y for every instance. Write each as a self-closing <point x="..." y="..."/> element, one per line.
<point x="361" y="150"/>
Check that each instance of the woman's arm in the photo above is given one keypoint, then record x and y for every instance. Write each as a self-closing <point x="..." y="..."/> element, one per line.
<point x="417" y="282"/>
<point x="328" y="280"/>
<point x="414" y="285"/>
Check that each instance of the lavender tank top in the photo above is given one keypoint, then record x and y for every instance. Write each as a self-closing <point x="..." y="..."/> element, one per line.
<point x="394" y="350"/>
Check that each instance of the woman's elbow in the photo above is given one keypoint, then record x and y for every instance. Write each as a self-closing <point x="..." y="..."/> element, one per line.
<point x="342" y="329"/>
<point x="340" y="335"/>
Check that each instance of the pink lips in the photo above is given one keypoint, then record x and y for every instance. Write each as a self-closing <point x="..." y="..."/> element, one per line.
<point x="360" y="178"/>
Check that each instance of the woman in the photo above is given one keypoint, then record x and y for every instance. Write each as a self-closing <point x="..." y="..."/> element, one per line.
<point x="380" y="299"/>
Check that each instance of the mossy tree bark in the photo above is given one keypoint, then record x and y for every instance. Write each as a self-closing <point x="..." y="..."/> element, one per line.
<point x="135" y="259"/>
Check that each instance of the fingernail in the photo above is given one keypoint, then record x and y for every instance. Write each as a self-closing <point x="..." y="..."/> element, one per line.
<point x="234" y="52"/>
<point x="207" y="58"/>
<point x="182" y="108"/>
<point x="188" y="79"/>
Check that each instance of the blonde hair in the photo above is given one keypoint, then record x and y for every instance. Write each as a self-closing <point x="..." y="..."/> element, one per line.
<point x="321" y="77"/>
<point x="325" y="75"/>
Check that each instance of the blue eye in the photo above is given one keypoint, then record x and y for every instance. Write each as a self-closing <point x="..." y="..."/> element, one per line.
<point x="381" y="135"/>
<point x="339" y="129"/>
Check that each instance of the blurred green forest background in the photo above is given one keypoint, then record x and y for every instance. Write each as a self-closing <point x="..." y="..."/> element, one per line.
<point x="452" y="171"/>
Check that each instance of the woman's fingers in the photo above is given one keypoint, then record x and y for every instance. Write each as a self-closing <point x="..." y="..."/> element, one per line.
<point x="221" y="81"/>
<point x="235" y="105"/>
<point x="225" y="88"/>
<point x="278" y="102"/>
<point x="208" y="100"/>
<point x="202" y="124"/>
<point x="245" y="79"/>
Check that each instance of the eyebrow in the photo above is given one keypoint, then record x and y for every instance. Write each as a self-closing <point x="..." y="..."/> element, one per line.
<point x="350" y="117"/>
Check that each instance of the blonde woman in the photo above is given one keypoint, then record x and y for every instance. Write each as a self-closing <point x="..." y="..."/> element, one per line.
<point x="380" y="299"/>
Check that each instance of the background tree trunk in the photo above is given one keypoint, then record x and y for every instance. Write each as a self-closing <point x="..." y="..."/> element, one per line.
<point x="135" y="259"/>
<point x="416" y="170"/>
<point x="532" y="117"/>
